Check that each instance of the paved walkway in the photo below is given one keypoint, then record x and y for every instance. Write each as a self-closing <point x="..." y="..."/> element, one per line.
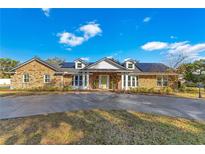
<point x="21" y="106"/>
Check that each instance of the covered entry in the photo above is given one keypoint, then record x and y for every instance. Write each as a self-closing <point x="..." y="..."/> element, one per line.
<point x="104" y="81"/>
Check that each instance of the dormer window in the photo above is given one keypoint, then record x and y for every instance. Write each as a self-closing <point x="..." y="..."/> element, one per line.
<point x="130" y="66"/>
<point x="79" y="65"/>
<point x="129" y="63"/>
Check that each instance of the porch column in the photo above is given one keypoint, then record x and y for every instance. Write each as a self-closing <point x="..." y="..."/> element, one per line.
<point x="87" y="80"/>
<point x="122" y="81"/>
<point x="83" y="75"/>
<point x="78" y="80"/>
<point x="126" y="81"/>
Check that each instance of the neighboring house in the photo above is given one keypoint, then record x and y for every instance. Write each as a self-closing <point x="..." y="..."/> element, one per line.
<point x="105" y="73"/>
<point x="5" y="82"/>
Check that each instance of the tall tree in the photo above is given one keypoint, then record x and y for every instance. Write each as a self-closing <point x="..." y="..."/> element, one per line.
<point x="175" y="60"/>
<point x="55" y="60"/>
<point x="5" y="65"/>
<point x="193" y="72"/>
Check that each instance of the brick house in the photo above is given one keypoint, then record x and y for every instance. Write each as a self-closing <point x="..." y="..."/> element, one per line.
<point x="105" y="73"/>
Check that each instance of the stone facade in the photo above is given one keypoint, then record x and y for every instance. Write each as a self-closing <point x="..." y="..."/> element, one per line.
<point x="147" y="81"/>
<point x="150" y="81"/>
<point x="114" y="78"/>
<point x="37" y="70"/>
<point x="67" y="80"/>
<point x="36" y="73"/>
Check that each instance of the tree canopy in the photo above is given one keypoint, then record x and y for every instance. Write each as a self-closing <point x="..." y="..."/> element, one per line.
<point x="193" y="72"/>
<point x="55" y="60"/>
<point x="5" y="65"/>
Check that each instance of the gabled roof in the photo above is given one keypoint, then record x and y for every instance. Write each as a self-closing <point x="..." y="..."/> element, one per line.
<point x="109" y="60"/>
<point x="140" y="67"/>
<point x="70" y="66"/>
<point x="130" y="60"/>
<point x="82" y="61"/>
<point x="40" y="61"/>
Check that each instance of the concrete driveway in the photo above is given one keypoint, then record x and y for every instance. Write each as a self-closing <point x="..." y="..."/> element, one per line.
<point x="21" y="106"/>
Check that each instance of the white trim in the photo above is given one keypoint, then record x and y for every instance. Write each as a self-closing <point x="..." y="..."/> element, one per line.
<point x="88" y="80"/>
<point x="107" y="60"/>
<point x="132" y="77"/>
<point x="33" y="59"/>
<point x="162" y="80"/>
<point x="122" y="81"/>
<point x="83" y="86"/>
<point x="79" y="62"/>
<point x="126" y="81"/>
<point x="44" y="78"/>
<point x="83" y="80"/>
<point x="24" y="78"/>
<point x="108" y="81"/>
<point x="127" y="64"/>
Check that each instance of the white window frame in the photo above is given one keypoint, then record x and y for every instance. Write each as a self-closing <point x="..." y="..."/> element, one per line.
<point x="25" y="78"/>
<point x="132" y="77"/>
<point x="44" y="78"/>
<point x="80" y="64"/>
<point x="129" y="65"/>
<point x="108" y="81"/>
<point x="85" y="80"/>
<point x="163" y="79"/>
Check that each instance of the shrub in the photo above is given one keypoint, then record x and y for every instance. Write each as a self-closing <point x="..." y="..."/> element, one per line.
<point x="167" y="90"/>
<point x="164" y="90"/>
<point x="182" y="88"/>
<point x="143" y="90"/>
<point x="151" y="90"/>
<point x="190" y="84"/>
<point x="45" y="88"/>
<point x="67" y="88"/>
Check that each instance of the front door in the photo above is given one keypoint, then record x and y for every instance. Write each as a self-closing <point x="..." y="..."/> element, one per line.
<point x="104" y="81"/>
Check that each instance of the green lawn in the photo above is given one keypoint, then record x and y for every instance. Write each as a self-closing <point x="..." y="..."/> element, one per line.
<point x="101" y="127"/>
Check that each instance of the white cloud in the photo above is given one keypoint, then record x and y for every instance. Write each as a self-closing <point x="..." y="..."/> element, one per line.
<point x="150" y="46"/>
<point x="146" y="19"/>
<point x="173" y="37"/>
<point x="89" y="30"/>
<point x="126" y="59"/>
<point x="192" y="51"/>
<point x="70" y="39"/>
<point x="46" y="11"/>
<point x="85" y="58"/>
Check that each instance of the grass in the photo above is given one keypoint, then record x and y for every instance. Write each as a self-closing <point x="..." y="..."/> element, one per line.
<point x="4" y="93"/>
<point x="101" y="127"/>
<point x="189" y="94"/>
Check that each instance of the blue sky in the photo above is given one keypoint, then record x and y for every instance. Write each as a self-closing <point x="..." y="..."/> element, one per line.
<point x="147" y="35"/>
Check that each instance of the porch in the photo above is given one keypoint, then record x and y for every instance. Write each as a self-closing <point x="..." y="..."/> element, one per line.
<point x="104" y="81"/>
